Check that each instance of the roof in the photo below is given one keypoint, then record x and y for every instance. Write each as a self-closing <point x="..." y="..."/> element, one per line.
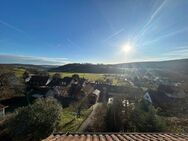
<point x="41" y="80"/>
<point x="96" y="92"/>
<point x="56" y="82"/>
<point x="67" y="80"/>
<point x="119" y="137"/>
<point x="88" y="88"/>
<point x="159" y="97"/>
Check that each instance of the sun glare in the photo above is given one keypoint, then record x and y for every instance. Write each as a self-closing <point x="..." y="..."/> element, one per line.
<point x="127" y="48"/>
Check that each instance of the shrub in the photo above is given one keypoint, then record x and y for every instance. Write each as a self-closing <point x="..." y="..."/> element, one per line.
<point x="36" y="121"/>
<point x="145" y="118"/>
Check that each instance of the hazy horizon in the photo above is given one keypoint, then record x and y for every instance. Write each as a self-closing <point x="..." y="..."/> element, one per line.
<point x="48" y="64"/>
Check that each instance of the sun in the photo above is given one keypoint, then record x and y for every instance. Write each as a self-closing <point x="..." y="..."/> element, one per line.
<point x="127" y="48"/>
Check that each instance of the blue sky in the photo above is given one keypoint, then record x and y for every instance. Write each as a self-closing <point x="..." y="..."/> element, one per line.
<point x="57" y="32"/>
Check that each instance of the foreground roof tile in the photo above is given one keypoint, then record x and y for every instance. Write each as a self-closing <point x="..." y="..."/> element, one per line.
<point x="118" y="137"/>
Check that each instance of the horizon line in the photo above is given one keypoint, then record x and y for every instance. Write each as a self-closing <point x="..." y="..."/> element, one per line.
<point x="144" y="61"/>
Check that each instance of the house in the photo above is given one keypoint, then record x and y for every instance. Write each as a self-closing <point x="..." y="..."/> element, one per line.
<point x="74" y="80"/>
<point x="57" y="91"/>
<point x="2" y="110"/>
<point x="110" y="100"/>
<point x="27" y="79"/>
<point x="94" y="96"/>
<point x="88" y="89"/>
<point x="82" y="82"/>
<point x="50" y="93"/>
<point x="158" y="98"/>
<point x="67" y="81"/>
<point x="55" y="82"/>
<point x="147" y="97"/>
<point x="38" y="81"/>
<point x="96" y="92"/>
<point x="130" y="92"/>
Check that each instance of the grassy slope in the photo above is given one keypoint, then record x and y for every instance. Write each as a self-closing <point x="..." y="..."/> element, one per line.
<point x="18" y="72"/>
<point x="69" y="122"/>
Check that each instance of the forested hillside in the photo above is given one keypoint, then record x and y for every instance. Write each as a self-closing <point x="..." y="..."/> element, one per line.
<point x="176" y="65"/>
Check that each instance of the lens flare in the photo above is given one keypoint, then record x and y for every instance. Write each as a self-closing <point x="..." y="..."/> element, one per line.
<point x="127" y="48"/>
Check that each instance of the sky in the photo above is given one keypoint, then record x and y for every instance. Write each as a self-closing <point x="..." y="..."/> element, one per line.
<point x="57" y="32"/>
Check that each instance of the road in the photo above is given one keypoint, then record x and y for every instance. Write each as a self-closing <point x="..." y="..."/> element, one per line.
<point x="91" y="118"/>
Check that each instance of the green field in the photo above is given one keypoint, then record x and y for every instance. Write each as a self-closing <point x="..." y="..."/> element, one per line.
<point x="18" y="72"/>
<point x="89" y="76"/>
<point x="69" y="122"/>
<point x="94" y="77"/>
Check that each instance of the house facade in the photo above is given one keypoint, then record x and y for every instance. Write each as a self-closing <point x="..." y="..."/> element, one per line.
<point x="2" y="110"/>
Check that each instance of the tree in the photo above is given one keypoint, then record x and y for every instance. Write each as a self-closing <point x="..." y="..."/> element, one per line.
<point x="36" y="121"/>
<point x="109" y="81"/>
<point x="25" y="75"/>
<point x="56" y="76"/>
<point x="142" y="118"/>
<point x="118" y="116"/>
<point x="75" y="77"/>
<point x="145" y="118"/>
<point x="10" y="85"/>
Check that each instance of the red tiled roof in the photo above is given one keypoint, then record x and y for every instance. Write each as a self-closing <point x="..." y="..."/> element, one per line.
<point x="118" y="137"/>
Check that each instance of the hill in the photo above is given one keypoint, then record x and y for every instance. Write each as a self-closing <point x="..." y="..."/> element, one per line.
<point x="26" y="66"/>
<point x="180" y="66"/>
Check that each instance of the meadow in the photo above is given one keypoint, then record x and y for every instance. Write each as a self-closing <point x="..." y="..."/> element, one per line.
<point x="69" y="122"/>
<point x="88" y="76"/>
<point x="92" y="77"/>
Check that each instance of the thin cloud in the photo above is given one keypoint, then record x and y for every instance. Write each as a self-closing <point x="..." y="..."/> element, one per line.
<point x="156" y="12"/>
<point x="150" y="20"/>
<point x="178" y="53"/>
<point x="114" y="34"/>
<point x="11" y="26"/>
<point x="162" y="37"/>
<point x="11" y="59"/>
<point x="72" y="43"/>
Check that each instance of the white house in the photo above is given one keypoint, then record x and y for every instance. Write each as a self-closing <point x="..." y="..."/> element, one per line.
<point x="147" y="97"/>
<point x="97" y="92"/>
<point x="110" y="100"/>
<point x="2" y="110"/>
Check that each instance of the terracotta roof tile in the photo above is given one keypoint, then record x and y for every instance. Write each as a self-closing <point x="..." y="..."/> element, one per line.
<point x="118" y="137"/>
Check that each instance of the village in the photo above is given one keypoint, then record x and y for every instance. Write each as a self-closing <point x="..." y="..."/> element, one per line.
<point x="90" y="100"/>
